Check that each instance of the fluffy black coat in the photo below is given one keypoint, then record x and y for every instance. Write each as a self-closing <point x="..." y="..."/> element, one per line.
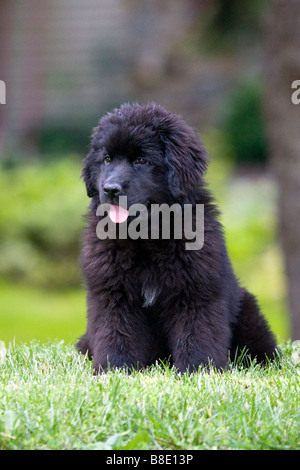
<point x="153" y="299"/>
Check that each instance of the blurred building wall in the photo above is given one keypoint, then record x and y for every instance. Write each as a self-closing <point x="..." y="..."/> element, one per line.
<point x="65" y="62"/>
<point x="60" y="61"/>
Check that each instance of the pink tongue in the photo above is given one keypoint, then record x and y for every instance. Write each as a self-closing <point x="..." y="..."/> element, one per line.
<point x="117" y="214"/>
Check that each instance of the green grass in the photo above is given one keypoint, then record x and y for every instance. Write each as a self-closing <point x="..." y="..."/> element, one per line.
<point x="28" y="312"/>
<point x="50" y="399"/>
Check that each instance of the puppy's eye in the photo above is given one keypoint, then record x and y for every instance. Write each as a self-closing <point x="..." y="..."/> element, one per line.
<point x="107" y="159"/>
<point x="141" y="161"/>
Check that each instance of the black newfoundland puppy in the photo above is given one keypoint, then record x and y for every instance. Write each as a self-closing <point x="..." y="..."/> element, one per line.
<point x="152" y="298"/>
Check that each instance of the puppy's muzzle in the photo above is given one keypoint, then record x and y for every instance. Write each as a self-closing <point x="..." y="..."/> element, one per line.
<point x="112" y="190"/>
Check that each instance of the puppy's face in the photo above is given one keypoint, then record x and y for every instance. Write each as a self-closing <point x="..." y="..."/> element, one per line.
<point x="146" y="154"/>
<point x="129" y="164"/>
<point x="126" y="159"/>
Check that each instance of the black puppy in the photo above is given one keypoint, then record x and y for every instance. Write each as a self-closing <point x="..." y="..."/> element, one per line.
<point x="152" y="298"/>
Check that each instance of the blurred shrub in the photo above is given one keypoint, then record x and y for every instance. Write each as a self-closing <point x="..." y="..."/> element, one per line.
<point x="221" y="162"/>
<point x="231" y="24"/>
<point x="55" y="139"/>
<point x="243" y="124"/>
<point x="41" y="221"/>
<point x="249" y="214"/>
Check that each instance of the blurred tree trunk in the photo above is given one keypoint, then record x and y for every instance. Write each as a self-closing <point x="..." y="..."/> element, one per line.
<point x="283" y="121"/>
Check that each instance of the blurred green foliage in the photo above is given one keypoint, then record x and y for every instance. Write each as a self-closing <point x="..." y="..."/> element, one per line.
<point x="231" y="24"/>
<point x="57" y="138"/>
<point x="243" y="123"/>
<point x="228" y="27"/>
<point x="248" y="206"/>
<point x="40" y="223"/>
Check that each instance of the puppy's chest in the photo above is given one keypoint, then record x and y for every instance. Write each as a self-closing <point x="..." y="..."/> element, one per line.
<point x="149" y="295"/>
<point x="150" y="289"/>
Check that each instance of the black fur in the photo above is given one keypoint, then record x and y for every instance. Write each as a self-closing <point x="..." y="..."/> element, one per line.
<point x="153" y="299"/>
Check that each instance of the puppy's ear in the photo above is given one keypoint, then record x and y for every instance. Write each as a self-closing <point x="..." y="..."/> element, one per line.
<point x="89" y="170"/>
<point x="87" y="175"/>
<point x="185" y="157"/>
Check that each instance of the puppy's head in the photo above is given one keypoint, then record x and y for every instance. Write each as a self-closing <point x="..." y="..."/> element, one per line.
<point x="145" y="154"/>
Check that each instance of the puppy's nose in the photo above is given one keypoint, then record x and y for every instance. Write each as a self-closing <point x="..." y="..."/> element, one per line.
<point x="112" y="189"/>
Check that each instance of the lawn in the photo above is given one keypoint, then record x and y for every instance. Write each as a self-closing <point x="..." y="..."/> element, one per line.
<point x="50" y="399"/>
<point x="29" y="312"/>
